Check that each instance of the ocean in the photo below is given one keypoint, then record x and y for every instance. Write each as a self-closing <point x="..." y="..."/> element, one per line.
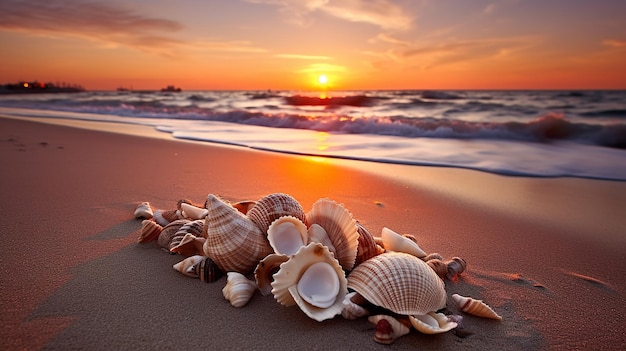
<point x="516" y="133"/>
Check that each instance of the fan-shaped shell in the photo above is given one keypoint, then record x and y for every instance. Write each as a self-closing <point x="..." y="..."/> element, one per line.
<point x="396" y="242"/>
<point x="187" y="266"/>
<point x="273" y="206"/>
<point x="238" y="290"/>
<point x="432" y="323"/>
<point x="287" y="235"/>
<point x="150" y="230"/>
<point x="367" y="247"/>
<point x="265" y="270"/>
<point x="233" y="241"/>
<point x="399" y="282"/>
<point x="388" y="329"/>
<point x="285" y="284"/>
<point x="340" y="226"/>
<point x="475" y="307"/>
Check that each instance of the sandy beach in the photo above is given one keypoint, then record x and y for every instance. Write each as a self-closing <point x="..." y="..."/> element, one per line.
<point x="548" y="254"/>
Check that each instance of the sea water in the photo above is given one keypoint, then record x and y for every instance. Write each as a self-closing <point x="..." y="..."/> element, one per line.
<point x="520" y="133"/>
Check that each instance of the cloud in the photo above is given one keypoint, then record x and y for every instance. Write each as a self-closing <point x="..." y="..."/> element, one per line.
<point x="614" y="43"/>
<point x="381" y="13"/>
<point x="322" y="67"/>
<point x="302" y="57"/>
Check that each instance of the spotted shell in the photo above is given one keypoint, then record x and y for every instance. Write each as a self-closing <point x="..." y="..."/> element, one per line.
<point x="273" y="206"/>
<point x="399" y="282"/>
<point x="150" y="230"/>
<point x="340" y="227"/>
<point x="265" y="270"/>
<point x="367" y="247"/>
<point x="233" y="241"/>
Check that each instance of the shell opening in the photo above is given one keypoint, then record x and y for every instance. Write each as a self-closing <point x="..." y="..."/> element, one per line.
<point x="319" y="285"/>
<point x="286" y="238"/>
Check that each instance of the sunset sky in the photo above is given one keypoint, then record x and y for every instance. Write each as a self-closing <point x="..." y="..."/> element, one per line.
<point x="287" y="44"/>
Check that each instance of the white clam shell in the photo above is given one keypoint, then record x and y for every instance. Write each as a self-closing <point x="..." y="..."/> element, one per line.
<point x="285" y="284"/>
<point x="396" y="242"/>
<point x="192" y="212"/>
<point x="399" y="282"/>
<point x="287" y="235"/>
<point x="319" y="285"/>
<point x="187" y="266"/>
<point x="340" y="227"/>
<point x="238" y="290"/>
<point x="432" y="323"/>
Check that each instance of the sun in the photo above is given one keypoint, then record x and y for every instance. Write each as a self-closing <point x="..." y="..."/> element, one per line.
<point x="322" y="79"/>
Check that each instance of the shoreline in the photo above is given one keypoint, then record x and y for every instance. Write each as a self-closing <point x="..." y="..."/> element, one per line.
<point x="70" y="194"/>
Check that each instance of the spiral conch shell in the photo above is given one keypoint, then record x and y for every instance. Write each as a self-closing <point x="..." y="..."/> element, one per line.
<point x="233" y="241"/>
<point x="271" y="207"/>
<point x="313" y="279"/>
<point x="238" y="289"/>
<point x="287" y="235"/>
<point x="396" y="242"/>
<point x="187" y="266"/>
<point x="388" y="329"/>
<point x="340" y="227"/>
<point x="150" y="230"/>
<point x="475" y="307"/>
<point x="399" y="282"/>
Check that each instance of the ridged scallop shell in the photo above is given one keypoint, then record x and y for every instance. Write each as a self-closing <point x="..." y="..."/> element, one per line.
<point x="388" y="329"/>
<point x="265" y="270"/>
<point x="285" y="285"/>
<point x="432" y="323"/>
<point x="192" y="212"/>
<point x="367" y="247"/>
<point x="287" y="235"/>
<point x="341" y="228"/>
<point x="273" y="206"/>
<point x="189" y="245"/>
<point x="233" y="241"/>
<point x="351" y="310"/>
<point x="475" y="307"/>
<point x="150" y="230"/>
<point x="238" y="290"/>
<point x="399" y="282"/>
<point x="188" y="265"/>
<point x="143" y="210"/>
<point x="399" y="243"/>
<point x="169" y="232"/>
<point x="208" y="271"/>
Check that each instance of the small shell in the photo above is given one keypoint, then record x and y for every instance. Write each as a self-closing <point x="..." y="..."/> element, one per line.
<point x="192" y="212"/>
<point x="367" y="247"/>
<point x="287" y="235"/>
<point x="265" y="270"/>
<point x="150" y="230"/>
<point x="455" y="267"/>
<point x="352" y="310"/>
<point x="143" y="210"/>
<point x="438" y="266"/>
<point x="273" y="206"/>
<point x="341" y="228"/>
<point x="399" y="282"/>
<point x="165" y="217"/>
<point x="192" y="227"/>
<point x="432" y="323"/>
<point x="399" y="243"/>
<point x="317" y="234"/>
<point x="233" y="241"/>
<point x="189" y="245"/>
<point x="188" y="266"/>
<point x="288" y="289"/>
<point x="169" y="232"/>
<point x="475" y="307"/>
<point x="432" y="256"/>
<point x="238" y="289"/>
<point x="388" y="329"/>
<point x="208" y="271"/>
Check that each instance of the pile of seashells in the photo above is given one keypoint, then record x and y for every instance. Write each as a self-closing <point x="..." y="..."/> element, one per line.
<point x="323" y="261"/>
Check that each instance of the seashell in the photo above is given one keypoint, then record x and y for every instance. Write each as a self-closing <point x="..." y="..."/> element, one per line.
<point x="233" y="241"/>
<point x="165" y="217"/>
<point x="352" y="310"/>
<point x="455" y="267"/>
<point x="190" y="245"/>
<point x="313" y="279"/>
<point x="393" y="241"/>
<point x="432" y="323"/>
<point x="265" y="270"/>
<point x="399" y="282"/>
<point x="192" y="212"/>
<point x="273" y="206"/>
<point x="440" y="267"/>
<point x="244" y="206"/>
<point x="317" y="234"/>
<point x="143" y="210"/>
<point x="188" y="265"/>
<point x="208" y="271"/>
<point x="388" y="329"/>
<point x="367" y="246"/>
<point x="340" y="227"/>
<point x="150" y="230"/>
<point x="287" y="235"/>
<point x="432" y="256"/>
<point x="475" y="307"/>
<point x="169" y="232"/>
<point x="191" y="227"/>
<point x="238" y="289"/>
